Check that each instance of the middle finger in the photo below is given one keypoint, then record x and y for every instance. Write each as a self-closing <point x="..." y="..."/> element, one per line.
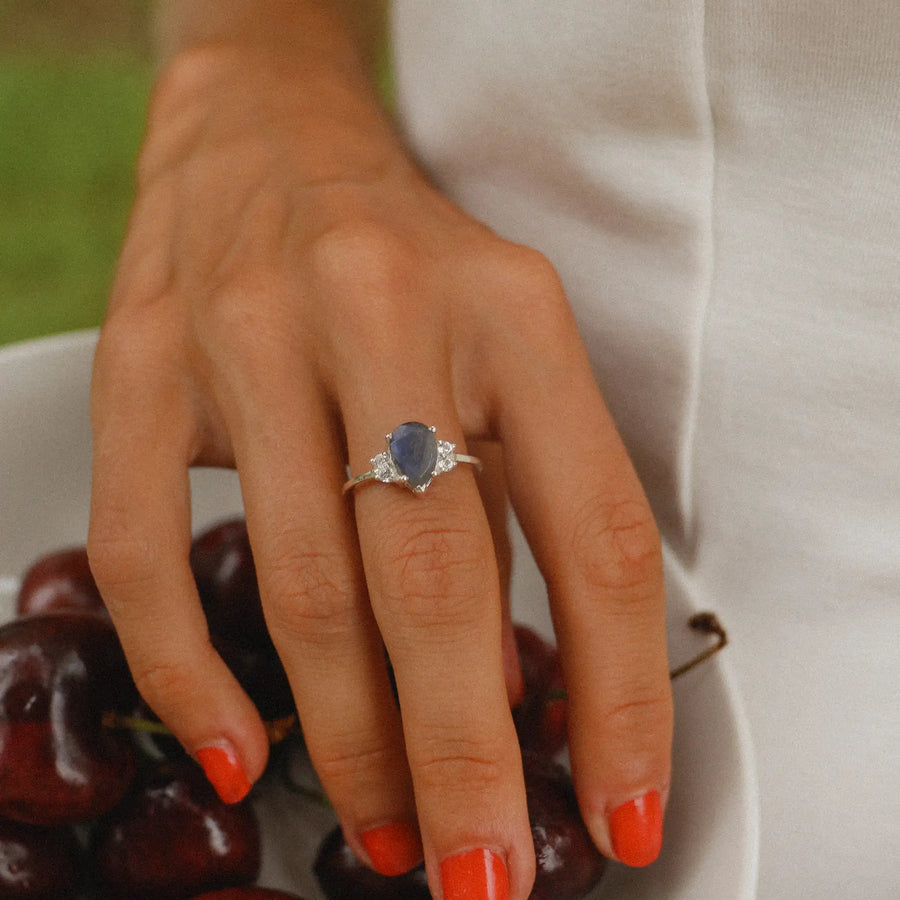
<point x="288" y="453"/>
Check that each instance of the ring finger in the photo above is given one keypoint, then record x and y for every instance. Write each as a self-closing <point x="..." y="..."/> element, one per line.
<point x="434" y="588"/>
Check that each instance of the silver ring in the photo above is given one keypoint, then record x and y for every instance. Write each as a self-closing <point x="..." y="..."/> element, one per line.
<point x="414" y="457"/>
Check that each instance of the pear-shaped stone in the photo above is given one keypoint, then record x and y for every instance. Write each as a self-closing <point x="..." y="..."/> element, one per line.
<point x="414" y="452"/>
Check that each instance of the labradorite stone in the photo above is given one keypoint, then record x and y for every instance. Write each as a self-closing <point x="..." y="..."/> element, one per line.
<point x="414" y="451"/>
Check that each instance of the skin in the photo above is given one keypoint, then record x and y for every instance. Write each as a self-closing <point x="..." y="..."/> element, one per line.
<point x="291" y="288"/>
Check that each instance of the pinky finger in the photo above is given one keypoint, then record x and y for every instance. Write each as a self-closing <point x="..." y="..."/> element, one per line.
<point x="138" y="545"/>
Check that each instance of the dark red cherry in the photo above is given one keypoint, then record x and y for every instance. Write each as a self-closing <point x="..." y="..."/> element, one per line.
<point x="60" y="580"/>
<point x="38" y="863"/>
<point x="540" y="719"/>
<point x="59" y="673"/>
<point x="249" y="893"/>
<point x="222" y="563"/>
<point x="260" y="673"/>
<point x="173" y="838"/>
<point x="568" y="864"/>
<point x="343" y="877"/>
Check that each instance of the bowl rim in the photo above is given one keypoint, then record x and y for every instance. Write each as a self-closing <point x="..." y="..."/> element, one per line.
<point x="19" y="353"/>
<point x="16" y="351"/>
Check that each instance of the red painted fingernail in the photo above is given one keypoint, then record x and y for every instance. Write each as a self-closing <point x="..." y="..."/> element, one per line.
<point x="224" y="772"/>
<point x="476" y="875"/>
<point x="636" y="828"/>
<point x="393" y="848"/>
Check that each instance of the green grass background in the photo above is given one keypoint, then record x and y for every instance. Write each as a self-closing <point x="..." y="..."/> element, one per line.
<point x="69" y="131"/>
<point x="75" y="78"/>
<point x="74" y="83"/>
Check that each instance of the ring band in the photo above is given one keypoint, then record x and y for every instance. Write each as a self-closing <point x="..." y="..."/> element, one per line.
<point x="414" y="457"/>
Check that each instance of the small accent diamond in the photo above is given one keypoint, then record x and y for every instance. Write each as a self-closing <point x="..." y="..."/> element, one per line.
<point x="383" y="467"/>
<point x="445" y="459"/>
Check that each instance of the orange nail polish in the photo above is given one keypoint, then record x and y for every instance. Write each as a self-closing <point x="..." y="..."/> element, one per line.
<point x="224" y="772"/>
<point x="636" y="828"/>
<point x="393" y="848"/>
<point x="476" y="875"/>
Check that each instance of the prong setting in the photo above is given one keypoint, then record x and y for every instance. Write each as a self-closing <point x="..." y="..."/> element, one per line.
<point x="421" y="458"/>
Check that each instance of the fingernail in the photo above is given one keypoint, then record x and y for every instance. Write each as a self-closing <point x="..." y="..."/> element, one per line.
<point x="475" y="875"/>
<point x="224" y="772"/>
<point x="636" y="829"/>
<point x="393" y="848"/>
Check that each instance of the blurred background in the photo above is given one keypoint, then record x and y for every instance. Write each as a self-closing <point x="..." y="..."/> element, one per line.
<point x="75" y="76"/>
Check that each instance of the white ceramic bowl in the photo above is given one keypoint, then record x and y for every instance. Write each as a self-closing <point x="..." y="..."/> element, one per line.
<point x="712" y="820"/>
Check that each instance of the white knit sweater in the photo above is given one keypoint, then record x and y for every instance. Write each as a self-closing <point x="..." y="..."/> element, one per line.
<point x="718" y="186"/>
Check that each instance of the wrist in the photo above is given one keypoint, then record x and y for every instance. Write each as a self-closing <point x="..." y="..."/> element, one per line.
<point x="232" y="95"/>
<point x="350" y="28"/>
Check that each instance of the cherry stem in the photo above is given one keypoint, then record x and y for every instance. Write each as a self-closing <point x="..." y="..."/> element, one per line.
<point x="134" y="723"/>
<point x="705" y="623"/>
<point x="279" y="730"/>
<point x="276" y="729"/>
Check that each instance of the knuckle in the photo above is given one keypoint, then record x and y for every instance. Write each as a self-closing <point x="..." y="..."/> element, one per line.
<point x="529" y="269"/>
<point x="119" y="560"/>
<point x="360" y="241"/>
<point x="361" y="260"/>
<point x="311" y="594"/>
<point x="648" y="712"/>
<point x="456" y="763"/>
<point x="529" y="292"/>
<point x="438" y="574"/>
<point x="162" y="682"/>
<point x="359" y="761"/>
<point x="528" y="276"/>
<point x="616" y="547"/>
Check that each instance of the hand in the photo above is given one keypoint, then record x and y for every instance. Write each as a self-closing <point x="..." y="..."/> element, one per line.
<point x="291" y="289"/>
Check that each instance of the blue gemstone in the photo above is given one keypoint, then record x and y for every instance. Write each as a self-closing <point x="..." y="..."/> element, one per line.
<point x="414" y="451"/>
